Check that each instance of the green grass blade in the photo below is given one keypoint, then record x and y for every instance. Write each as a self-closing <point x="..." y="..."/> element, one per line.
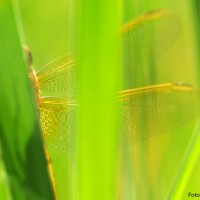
<point x="19" y="129"/>
<point x="97" y="75"/>
<point x="190" y="158"/>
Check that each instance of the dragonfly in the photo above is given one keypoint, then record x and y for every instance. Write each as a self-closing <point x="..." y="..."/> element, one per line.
<point x="146" y="111"/>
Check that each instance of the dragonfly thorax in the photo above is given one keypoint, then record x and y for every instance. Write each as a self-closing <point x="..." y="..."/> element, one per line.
<point x="33" y="77"/>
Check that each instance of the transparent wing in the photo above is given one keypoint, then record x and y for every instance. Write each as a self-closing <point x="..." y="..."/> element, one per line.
<point x="157" y="109"/>
<point x="145" y="38"/>
<point x="57" y="117"/>
<point x="57" y="78"/>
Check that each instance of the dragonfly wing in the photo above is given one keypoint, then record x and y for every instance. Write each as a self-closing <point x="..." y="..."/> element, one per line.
<point x="56" y="116"/>
<point x="157" y="109"/>
<point x="145" y="38"/>
<point x="57" y="78"/>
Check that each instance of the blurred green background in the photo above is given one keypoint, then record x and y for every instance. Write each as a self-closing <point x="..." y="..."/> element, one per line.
<point x="151" y="169"/>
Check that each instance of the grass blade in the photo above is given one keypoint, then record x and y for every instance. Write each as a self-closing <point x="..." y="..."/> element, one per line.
<point x="97" y="76"/>
<point x="187" y="165"/>
<point x="19" y="128"/>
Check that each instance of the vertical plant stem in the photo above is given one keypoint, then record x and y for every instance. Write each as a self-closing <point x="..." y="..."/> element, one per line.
<point x="98" y="69"/>
<point x="187" y="165"/>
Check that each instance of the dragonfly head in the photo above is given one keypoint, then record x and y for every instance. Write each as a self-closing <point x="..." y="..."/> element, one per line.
<point x="28" y="55"/>
<point x="32" y="73"/>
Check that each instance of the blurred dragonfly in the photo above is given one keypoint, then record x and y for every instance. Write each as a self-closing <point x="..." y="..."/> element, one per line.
<point x="157" y="109"/>
<point x="54" y="85"/>
<point x="146" y="111"/>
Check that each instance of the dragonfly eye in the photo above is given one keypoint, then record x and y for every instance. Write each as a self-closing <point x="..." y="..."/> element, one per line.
<point x="28" y="54"/>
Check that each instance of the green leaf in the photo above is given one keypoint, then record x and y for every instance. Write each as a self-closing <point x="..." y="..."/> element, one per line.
<point x="20" y="135"/>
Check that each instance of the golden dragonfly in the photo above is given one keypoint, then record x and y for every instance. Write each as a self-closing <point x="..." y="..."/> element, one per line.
<point x="146" y="111"/>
